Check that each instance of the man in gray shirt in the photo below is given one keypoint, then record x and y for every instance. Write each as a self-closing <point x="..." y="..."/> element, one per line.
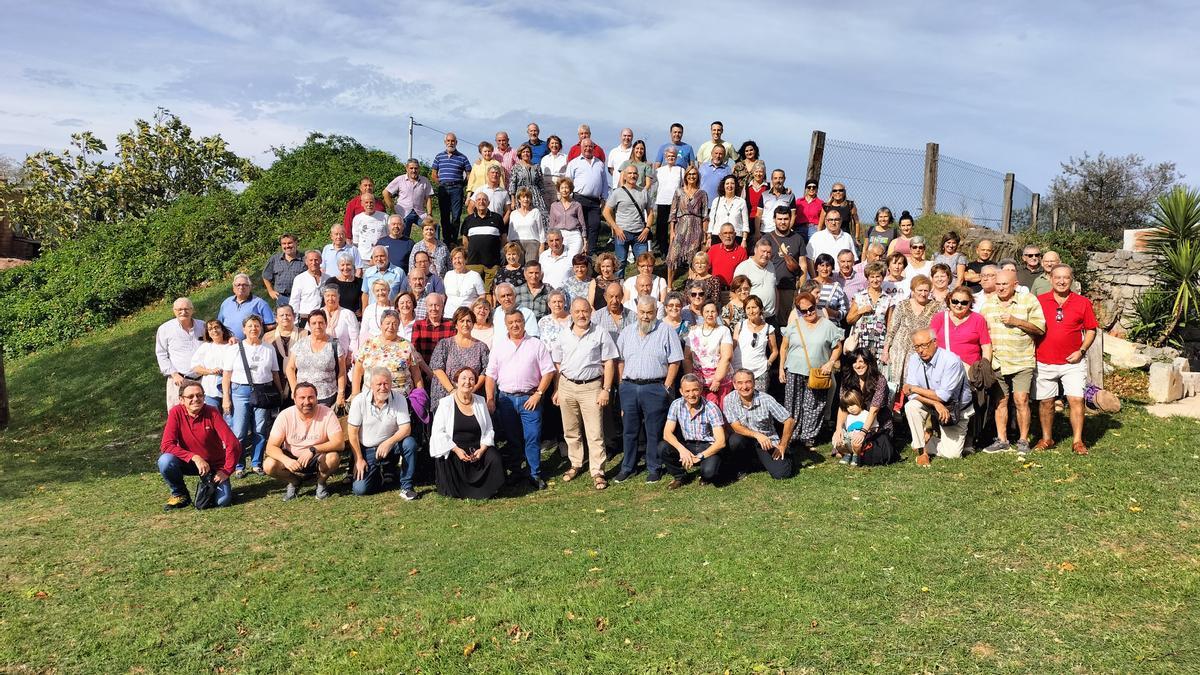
<point x="626" y="213"/>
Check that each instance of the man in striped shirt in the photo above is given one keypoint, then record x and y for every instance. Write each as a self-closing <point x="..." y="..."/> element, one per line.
<point x="450" y="169"/>
<point x="1014" y="320"/>
<point x="650" y="359"/>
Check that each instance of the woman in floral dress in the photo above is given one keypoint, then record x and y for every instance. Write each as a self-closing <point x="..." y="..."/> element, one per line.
<point x="908" y="317"/>
<point x="870" y="310"/>
<point x="688" y="223"/>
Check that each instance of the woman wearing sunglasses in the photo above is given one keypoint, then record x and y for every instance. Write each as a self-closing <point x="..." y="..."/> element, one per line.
<point x="754" y="344"/>
<point x="917" y="264"/>
<point x="810" y="342"/>
<point x="965" y="333"/>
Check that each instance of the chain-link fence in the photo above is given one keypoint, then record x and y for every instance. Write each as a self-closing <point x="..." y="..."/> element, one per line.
<point x="877" y="176"/>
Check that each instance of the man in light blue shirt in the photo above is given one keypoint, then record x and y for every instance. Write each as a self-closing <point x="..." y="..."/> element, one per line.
<point x="382" y="268"/>
<point x="335" y="249"/>
<point x="936" y="389"/>
<point x="242" y="304"/>
<point x="713" y="172"/>
<point x="687" y="156"/>
<point x="590" y="176"/>
<point x="650" y="359"/>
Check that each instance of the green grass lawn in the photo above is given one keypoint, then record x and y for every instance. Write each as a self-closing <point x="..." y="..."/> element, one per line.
<point x="1059" y="564"/>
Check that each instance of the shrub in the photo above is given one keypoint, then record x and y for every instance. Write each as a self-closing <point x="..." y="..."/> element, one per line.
<point x="116" y="268"/>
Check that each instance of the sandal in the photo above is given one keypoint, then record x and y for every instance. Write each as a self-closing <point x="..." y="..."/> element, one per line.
<point x="599" y="482"/>
<point x="571" y="473"/>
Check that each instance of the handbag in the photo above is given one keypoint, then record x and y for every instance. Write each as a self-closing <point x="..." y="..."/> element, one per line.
<point x="264" y="396"/>
<point x="206" y="492"/>
<point x="816" y="379"/>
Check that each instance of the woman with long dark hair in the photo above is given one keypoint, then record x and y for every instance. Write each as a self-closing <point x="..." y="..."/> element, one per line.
<point x="873" y="445"/>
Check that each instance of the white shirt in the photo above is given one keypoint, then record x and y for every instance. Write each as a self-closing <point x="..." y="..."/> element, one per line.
<point x="769" y="203"/>
<point x="377" y="424"/>
<point x="762" y="283"/>
<point x="555" y="270"/>
<point x="732" y="211"/>
<point x="212" y="356"/>
<point x="616" y="157"/>
<point x="344" y="326"/>
<point x="367" y="231"/>
<point x="554" y="166"/>
<point x="531" y="322"/>
<point x="583" y="357"/>
<point x="261" y="358"/>
<point x="369" y="327"/>
<point x="498" y="199"/>
<point x="461" y="289"/>
<point x="306" y="293"/>
<point x="824" y="242"/>
<point x="174" y="346"/>
<point x="441" y="433"/>
<point x="911" y="271"/>
<point x="750" y="353"/>
<point x="656" y="290"/>
<point x="527" y="227"/>
<point x="668" y="179"/>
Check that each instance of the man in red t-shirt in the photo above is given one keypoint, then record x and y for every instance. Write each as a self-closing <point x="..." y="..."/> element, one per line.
<point x="725" y="255"/>
<point x="1070" y="329"/>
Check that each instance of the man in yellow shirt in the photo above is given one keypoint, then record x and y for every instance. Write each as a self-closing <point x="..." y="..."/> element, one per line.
<point x="1014" y="320"/>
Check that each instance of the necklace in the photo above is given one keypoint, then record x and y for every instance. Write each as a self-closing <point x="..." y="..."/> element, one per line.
<point x="710" y="331"/>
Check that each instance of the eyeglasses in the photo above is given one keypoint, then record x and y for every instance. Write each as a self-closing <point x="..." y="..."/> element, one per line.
<point x="698" y="294"/>
<point x="923" y="345"/>
<point x="191" y="396"/>
<point x="960" y="303"/>
<point x="1033" y="255"/>
<point x="1058" y="315"/>
<point x="753" y="340"/>
<point x="806" y="310"/>
<point x="838" y="190"/>
<point x="918" y="246"/>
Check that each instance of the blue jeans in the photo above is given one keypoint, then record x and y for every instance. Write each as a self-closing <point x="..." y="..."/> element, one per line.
<point x="621" y="248"/>
<point x="282" y="300"/>
<point x="644" y="406"/>
<point x="520" y="426"/>
<point x="372" y="479"/>
<point x="411" y="218"/>
<point x="249" y="425"/>
<point x="450" y="204"/>
<point x="174" y="469"/>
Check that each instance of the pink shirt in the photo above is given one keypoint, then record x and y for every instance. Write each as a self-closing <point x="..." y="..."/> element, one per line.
<point x="811" y="210"/>
<point x="524" y="364"/>
<point x="966" y="340"/>
<point x="296" y="434"/>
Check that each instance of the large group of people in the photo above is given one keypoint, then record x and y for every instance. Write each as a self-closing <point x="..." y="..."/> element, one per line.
<point x="461" y="350"/>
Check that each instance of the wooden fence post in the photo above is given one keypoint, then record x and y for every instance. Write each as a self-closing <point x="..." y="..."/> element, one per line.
<point x="1054" y="220"/>
<point x="816" y="155"/>
<point x="1006" y="219"/>
<point x="1095" y="360"/>
<point x="929" y="198"/>
<point x="3" y="393"/>
<point x="1033" y="212"/>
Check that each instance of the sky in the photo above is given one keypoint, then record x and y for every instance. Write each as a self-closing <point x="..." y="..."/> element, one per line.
<point x="1014" y="86"/>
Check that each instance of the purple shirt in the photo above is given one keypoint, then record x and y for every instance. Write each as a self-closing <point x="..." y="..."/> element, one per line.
<point x="410" y="194"/>
<point x="524" y="364"/>
<point x="857" y="281"/>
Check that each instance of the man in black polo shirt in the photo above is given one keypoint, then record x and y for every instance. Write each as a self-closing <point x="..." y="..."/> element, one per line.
<point x="787" y="247"/>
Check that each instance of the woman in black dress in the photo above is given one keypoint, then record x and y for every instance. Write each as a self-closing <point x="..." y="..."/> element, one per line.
<point x="462" y="443"/>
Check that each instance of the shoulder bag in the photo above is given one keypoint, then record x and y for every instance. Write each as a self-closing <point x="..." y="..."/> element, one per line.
<point x="206" y="492"/>
<point x="264" y="396"/>
<point x="816" y="379"/>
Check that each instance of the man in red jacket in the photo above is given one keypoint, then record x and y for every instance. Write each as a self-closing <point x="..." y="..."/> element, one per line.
<point x="195" y="442"/>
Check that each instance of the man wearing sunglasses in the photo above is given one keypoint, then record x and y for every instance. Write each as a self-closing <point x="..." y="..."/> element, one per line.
<point x="1061" y="355"/>
<point x="1030" y="267"/>
<point x="936" y="389"/>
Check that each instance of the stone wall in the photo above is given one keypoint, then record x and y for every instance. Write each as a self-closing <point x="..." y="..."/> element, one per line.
<point x="1118" y="278"/>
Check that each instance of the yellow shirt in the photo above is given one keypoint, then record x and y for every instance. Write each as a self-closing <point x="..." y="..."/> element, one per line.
<point x="479" y="172"/>
<point x="1013" y="348"/>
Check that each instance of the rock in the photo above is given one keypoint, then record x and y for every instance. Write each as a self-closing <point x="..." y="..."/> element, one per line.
<point x="1139" y="280"/>
<point x="1191" y="383"/>
<point x="1166" y="384"/>
<point x="1182" y="365"/>
<point x="1099" y="258"/>
<point x="1124" y="354"/>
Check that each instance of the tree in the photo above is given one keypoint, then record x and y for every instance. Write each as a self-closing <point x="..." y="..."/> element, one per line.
<point x="1176" y="238"/>
<point x="1110" y="194"/>
<point x="62" y="194"/>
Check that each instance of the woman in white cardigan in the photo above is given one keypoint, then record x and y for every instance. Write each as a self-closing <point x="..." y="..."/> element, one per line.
<point x="462" y="442"/>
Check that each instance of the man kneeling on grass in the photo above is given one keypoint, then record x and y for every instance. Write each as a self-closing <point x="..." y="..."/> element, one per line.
<point x="379" y="427"/>
<point x="701" y="435"/>
<point x="305" y="442"/>
<point x="196" y="442"/>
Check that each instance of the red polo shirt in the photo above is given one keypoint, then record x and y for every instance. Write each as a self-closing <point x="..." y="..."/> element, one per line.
<point x="725" y="262"/>
<point x="207" y="435"/>
<point x="1064" y="337"/>
<point x="576" y="151"/>
<point x="811" y="210"/>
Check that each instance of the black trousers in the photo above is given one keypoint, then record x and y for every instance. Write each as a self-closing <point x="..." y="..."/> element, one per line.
<point x="591" y="218"/>
<point x="743" y="449"/>
<point x="710" y="466"/>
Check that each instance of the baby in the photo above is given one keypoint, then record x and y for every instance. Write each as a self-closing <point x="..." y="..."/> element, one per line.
<point x="854" y="420"/>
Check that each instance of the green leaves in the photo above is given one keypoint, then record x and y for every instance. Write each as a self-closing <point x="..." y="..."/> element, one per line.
<point x="1176" y="238"/>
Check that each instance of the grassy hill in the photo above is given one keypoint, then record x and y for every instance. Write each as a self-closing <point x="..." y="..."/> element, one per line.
<point x="1058" y="564"/>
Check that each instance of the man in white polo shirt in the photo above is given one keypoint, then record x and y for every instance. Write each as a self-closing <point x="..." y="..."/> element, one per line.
<point x="379" y="423"/>
<point x="831" y="240"/>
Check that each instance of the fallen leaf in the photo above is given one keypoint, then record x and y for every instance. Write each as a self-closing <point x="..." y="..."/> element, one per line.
<point x="567" y="551"/>
<point x="1065" y="567"/>
<point x="470" y="648"/>
<point x="601" y="624"/>
<point x="813" y="623"/>
<point x="41" y="595"/>
<point x="592" y="553"/>
<point x="924" y="589"/>
<point x="594" y="569"/>
<point x="1135" y="509"/>
<point x="599" y="510"/>
<point x="413" y="572"/>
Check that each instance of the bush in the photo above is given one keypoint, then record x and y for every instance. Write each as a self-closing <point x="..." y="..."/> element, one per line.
<point x="1073" y="247"/>
<point x="117" y="268"/>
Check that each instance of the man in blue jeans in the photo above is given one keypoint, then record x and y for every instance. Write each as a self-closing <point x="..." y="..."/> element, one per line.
<point x="196" y="441"/>
<point x="626" y="211"/>
<point x="519" y="371"/>
<point x="650" y="358"/>
<point x="379" y="424"/>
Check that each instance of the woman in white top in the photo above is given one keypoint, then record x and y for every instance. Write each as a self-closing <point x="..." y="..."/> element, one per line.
<point x="249" y="421"/>
<point x="645" y="266"/>
<point x="525" y="226"/>
<point x="728" y="207"/>
<point x="208" y="361"/>
<point x="896" y="281"/>
<point x="667" y="179"/>
<point x="917" y="264"/>
<point x="554" y="169"/>
<point x="462" y="285"/>
<point x="483" y="330"/>
<point x="406" y="304"/>
<point x="342" y="323"/>
<point x="755" y="346"/>
<point x="461" y="441"/>
<point x="710" y="350"/>
<point x="380" y="290"/>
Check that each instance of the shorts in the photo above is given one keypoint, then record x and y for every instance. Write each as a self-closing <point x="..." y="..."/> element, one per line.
<point x="1020" y="382"/>
<point x="1073" y="377"/>
<point x="308" y="470"/>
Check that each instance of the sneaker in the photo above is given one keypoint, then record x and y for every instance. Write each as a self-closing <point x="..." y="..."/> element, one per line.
<point x="622" y="476"/>
<point x="239" y="474"/>
<point x="408" y="495"/>
<point x="997" y="446"/>
<point x="845" y="459"/>
<point x="259" y="470"/>
<point x="177" y="502"/>
<point x="675" y="484"/>
<point x="1023" y="447"/>
<point x="322" y="491"/>
<point x="290" y="493"/>
<point x="653" y="477"/>
<point x="853" y="460"/>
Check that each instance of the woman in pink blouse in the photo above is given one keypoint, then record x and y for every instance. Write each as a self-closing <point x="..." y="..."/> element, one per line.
<point x="566" y="216"/>
<point x="962" y="331"/>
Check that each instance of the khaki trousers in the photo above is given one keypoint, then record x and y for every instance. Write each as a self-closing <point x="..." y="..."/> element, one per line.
<point x="580" y="415"/>
<point x="172" y="393"/>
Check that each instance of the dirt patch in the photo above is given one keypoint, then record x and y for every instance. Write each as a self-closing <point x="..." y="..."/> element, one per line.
<point x="9" y="263"/>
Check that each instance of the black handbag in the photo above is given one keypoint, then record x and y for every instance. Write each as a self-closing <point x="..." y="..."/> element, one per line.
<point x="206" y="492"/>
<point x="264" y="396"/>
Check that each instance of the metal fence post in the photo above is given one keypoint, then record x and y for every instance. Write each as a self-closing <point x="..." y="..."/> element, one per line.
<point x="1033" y="212"/>
<point x="1006" y="219"/>
<point x="929" y="198"/>
<point x="816" y="154"/>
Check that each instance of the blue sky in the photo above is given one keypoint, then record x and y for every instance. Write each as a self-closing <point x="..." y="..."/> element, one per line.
<point x="1012" y="86"/>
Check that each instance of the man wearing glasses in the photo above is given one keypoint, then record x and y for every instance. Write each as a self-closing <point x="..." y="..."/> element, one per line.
<point x="196" y="442"/>
<point x="936" y="389"/>
<point x="1031" y="267"/>
<point x="1061" y="355"/>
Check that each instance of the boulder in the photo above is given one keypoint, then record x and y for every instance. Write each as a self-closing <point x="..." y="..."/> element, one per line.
<point x="1124" y="354"/>
<point x="1182" y="365"/>
<point x="1166" y="383"/>
<point x="1191" y="383"/>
